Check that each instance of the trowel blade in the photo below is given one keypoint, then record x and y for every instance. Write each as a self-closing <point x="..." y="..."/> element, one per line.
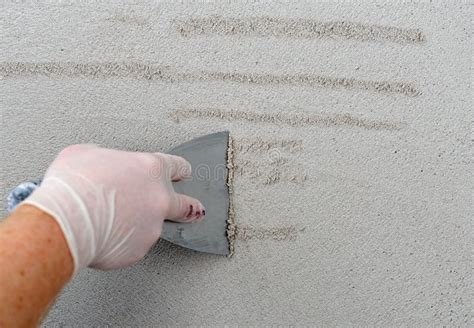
<point x="208" y="157"/>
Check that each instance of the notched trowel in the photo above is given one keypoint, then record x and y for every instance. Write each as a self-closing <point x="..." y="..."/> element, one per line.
<point x="210" y="157"/>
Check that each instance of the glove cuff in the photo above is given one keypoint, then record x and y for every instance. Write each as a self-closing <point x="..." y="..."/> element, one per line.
<point x="58" y="199"/>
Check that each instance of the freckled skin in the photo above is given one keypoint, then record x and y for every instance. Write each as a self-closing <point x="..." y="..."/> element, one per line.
<point x="35" y="264"/>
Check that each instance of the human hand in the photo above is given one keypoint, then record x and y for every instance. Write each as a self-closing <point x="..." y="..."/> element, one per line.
<point x="111" y="204"/>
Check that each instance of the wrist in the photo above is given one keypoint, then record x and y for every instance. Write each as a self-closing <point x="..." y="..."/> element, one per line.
<point x="42" y="230"/>
<point x="35" y="264"/>
<point x="59" y="200"/>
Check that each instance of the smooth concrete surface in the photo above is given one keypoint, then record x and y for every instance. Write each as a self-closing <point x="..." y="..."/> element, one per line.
<point x="352" y="125"/>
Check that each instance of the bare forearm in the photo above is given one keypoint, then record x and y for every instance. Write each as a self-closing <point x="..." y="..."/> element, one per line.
<point x="35" y="264"/>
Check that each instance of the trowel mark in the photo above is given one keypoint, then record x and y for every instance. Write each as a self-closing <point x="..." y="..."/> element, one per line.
<point x="291" y="119"/>
<point x="270" y="166"/>
<point x="165" y="73"/>
<point x="310" y="80"/>
<point x="294" y="28"/>
<point x="288" y="233"/>
<point x="270" y="173"/>
<point x="259" y="145"/>
<point x="87" y="70"/>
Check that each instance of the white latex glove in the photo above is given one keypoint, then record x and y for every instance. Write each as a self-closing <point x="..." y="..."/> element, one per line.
<point x="111" y="204"/>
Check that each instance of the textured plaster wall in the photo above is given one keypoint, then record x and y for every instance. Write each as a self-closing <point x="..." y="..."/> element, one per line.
<point x="352" y="127"/>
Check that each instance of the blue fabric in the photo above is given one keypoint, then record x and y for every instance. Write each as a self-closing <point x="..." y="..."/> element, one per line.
<point x="20" y="193"/>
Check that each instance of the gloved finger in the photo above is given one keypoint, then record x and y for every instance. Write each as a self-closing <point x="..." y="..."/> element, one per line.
<point x="176" y="168"/>
<point x="185" y="209"/>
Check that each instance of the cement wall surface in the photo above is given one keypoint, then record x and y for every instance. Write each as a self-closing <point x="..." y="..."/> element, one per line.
<point x="353" y="187"/>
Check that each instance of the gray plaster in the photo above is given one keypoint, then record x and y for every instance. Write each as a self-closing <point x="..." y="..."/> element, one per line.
<point x="355" y="226"/>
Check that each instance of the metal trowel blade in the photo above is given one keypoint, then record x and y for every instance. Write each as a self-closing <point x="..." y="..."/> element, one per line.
<point x="208" y="157"/>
